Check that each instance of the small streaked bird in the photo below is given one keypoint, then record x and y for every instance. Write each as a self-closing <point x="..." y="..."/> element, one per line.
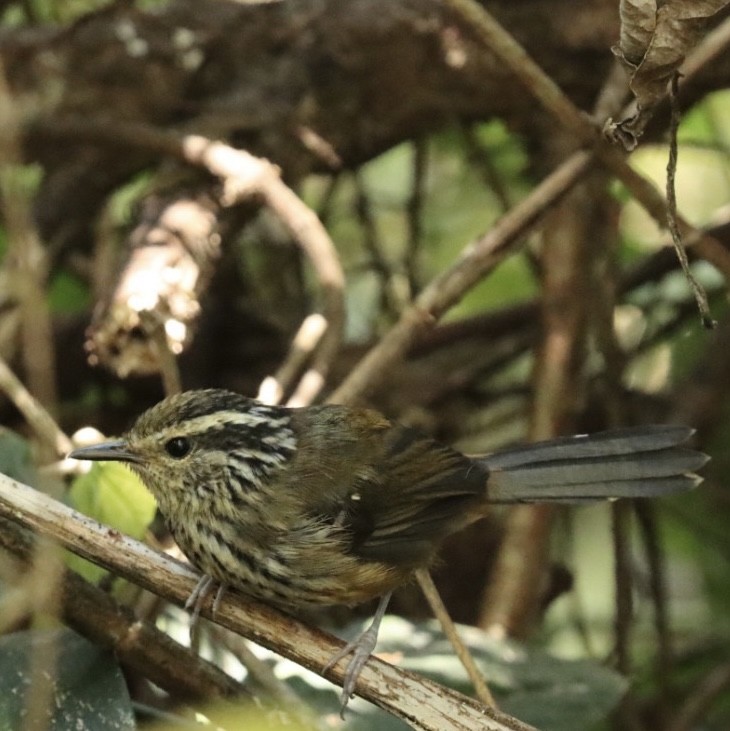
<point x="336" y="505"/>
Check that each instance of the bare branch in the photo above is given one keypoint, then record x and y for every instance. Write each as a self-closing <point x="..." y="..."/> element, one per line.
<point x="42" y="423"/>
<point x="447" y="624"/>
<point x="421" y="702"/>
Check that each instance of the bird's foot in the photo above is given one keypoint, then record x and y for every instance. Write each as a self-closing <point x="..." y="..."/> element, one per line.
<point x="360" y="648"/>
<point x="198" y="596"/>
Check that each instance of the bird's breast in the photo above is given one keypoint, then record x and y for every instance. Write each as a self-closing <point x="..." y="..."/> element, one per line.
<point x="305" y="564"/>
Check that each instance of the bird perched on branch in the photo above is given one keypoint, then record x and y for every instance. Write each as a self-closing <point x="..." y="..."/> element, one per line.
<point x="336" y="505"/>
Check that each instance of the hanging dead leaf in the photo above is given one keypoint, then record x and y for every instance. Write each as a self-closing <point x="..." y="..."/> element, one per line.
<point x="655" y="38"/>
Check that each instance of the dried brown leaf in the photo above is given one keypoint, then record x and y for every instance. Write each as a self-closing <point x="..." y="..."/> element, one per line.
<point x="653" y="44"/>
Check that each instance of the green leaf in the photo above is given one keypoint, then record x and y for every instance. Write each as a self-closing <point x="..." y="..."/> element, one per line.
<point x="87" y="689"/>
<point x="115" y="496"/>
<point x="68" y="294"/>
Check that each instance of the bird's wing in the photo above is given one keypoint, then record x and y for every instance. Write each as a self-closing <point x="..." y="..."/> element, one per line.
<point x="392" y="493"/>
<point x="398" y="508"/>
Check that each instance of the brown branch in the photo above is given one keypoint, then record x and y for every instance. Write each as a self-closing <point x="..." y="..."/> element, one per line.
<point x="153" y="325"/>
<point x="510" y="600"/>
<point x="273" y="388"/>
<point x="481" y="159"/>
<point x="154" y="306"/>
<point x="646" y="516"/>
<point x="624" y="618"/>
<point x="713" y="46"/>
<point x="261" y="673"/>
<point x="710" y="689"/>
<point x="423" y="577"/>
<point x="534" y="79"/>
<point x="477" y="260"/>
<point x="414" y="212"/>
<point x="392" y="298"/>
<point x="421" y="702"/>
<point x="140" y="645"/>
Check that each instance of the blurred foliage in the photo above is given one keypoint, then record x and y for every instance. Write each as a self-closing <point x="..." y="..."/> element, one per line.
<point x="16" y="457"/>
<point x="84" y="683"/>
<point x="112" y="494"/>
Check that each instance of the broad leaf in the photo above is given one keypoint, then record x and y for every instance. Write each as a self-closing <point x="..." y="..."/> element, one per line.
<point x="86" y="689"/>
<point x="115" y="496"/>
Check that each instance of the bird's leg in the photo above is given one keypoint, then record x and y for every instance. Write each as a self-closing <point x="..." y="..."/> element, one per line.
<point x="196" y="599"/>
<point x="360" y="648"/>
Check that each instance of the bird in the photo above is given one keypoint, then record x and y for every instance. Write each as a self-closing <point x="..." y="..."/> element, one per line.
<point x="330" y="504"/>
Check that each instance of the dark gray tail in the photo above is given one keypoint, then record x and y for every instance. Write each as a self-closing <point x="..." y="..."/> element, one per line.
<point x="644" y="461"/>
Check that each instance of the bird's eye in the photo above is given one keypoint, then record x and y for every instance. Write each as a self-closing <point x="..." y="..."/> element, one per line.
<point x="177" y="447"/>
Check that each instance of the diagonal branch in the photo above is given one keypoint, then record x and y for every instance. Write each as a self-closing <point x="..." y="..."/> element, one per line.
<point x="420" y="702"/>
<point x="477" y="260"/>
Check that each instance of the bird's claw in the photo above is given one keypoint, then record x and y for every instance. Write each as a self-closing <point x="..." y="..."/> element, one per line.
<point x="360" y="649"/>
<point x="198" y="595"/>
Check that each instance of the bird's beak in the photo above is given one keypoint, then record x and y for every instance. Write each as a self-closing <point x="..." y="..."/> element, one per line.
<point x="107" y="451"/>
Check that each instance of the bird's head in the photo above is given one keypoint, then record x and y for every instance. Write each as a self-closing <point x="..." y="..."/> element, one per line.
<point x="197" y="442"/>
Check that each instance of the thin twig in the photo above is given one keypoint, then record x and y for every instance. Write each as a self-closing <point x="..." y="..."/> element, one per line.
<point x="392" y="299"/>
<point x="326" y="202"/>
<point x="621" y="515"/>
<point x="447" y="624"/>
<point x="42" y="423"/>
<point x="414" y="211"/>
<point x="710" y="689"/>
<point x="154" y="325"/>
<point x="649" y="530"/>
<point x="713" y="45"/>
<point x="273" y="388"/>
<point x="261" y="672"/>
<point x="481" y="159"/>
<point x="672" y="223"/>
<point x="507" y="49"/>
